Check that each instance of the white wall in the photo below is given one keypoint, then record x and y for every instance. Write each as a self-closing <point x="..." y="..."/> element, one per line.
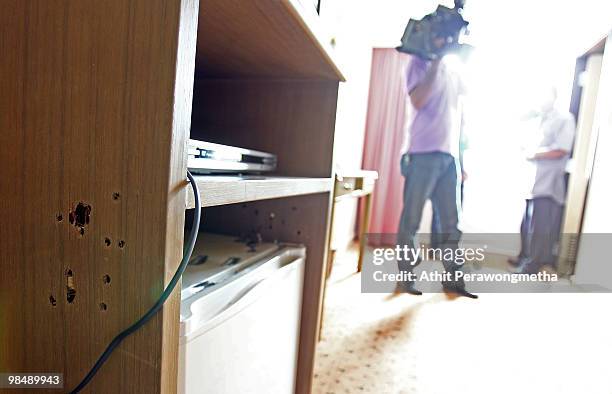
<point x="355" y="54"/>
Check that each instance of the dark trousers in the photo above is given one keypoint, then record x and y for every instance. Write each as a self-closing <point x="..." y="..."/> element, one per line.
<point x="435" y="237"/>
<point x="540" y="233"/>
<point x="430" y="176"/>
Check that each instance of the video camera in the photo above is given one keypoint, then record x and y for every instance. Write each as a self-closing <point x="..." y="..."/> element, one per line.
<point x="436" y="34"/>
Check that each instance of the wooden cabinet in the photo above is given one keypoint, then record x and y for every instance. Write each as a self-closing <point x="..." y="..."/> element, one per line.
<point x="96" y="105"/>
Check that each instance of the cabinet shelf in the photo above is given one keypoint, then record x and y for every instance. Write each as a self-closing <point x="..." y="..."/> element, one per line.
<point x="279" y="39"/>
<point x="222" y="190"/>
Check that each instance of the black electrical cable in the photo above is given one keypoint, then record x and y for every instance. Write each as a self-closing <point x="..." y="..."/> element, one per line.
<point x="162" y="299"/>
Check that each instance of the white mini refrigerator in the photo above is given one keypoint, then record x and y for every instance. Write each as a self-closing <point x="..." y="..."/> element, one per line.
<point x="240" y="317"/>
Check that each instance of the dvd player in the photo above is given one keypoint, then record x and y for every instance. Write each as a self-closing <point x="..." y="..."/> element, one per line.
<point x="209" y="158"/>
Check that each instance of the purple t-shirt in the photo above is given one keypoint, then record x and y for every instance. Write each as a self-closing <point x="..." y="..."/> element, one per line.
<point x="435" y="127"/>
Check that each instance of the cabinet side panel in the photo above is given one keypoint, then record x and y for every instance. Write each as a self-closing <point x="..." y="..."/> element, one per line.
<point x="89" y="89"/>
<point x="183" y="99"/>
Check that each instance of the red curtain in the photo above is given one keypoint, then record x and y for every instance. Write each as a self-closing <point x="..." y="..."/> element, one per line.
<point x="385" y="135"/>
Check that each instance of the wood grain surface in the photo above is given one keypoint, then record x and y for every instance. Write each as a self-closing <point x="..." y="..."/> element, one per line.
<point x="220" y="190"/>
<point x="91" y="115"/>
<point x="294" y="119"/>
<point x="263" y="38"/>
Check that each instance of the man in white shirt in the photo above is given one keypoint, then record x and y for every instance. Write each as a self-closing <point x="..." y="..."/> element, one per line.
<point x="548" y="156"/>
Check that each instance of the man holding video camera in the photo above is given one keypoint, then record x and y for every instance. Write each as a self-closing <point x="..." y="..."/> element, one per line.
<point x="430" y="166"/>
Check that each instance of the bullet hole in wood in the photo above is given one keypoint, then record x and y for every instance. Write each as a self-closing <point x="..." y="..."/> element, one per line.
<point x="116" y="196"/>
<point x="70" y="295"/>
<point x="107" y="241"/>
<point x="53" y="301"/>
<point x="70" y="290"/>
<point x="197" y="260"/>
<point x="299" y="232"/>
<point x="106" y="279"/>
<point x="79" y="217"/>
<point x="103" y="306"/>
<point x="121" y="244"/>
<point x="59" y="217"/>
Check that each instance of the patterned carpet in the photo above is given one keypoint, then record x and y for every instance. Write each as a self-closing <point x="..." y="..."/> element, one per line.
<point x="432" y="344"/>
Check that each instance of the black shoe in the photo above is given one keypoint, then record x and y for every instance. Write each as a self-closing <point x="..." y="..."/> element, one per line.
<point x="465" y="293"/>
<point x="408" y="288"/>
<point x="528" y="267"/>
<point x="515" y="261"/>
<point x="458" y="290"/>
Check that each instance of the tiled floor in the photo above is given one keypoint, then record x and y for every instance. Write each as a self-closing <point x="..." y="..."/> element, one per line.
<point x="501" y="343"/>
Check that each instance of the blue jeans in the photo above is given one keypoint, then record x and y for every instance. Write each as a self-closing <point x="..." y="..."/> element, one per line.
<point x="430" y="176"/>
<point x="435" y="221"/>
